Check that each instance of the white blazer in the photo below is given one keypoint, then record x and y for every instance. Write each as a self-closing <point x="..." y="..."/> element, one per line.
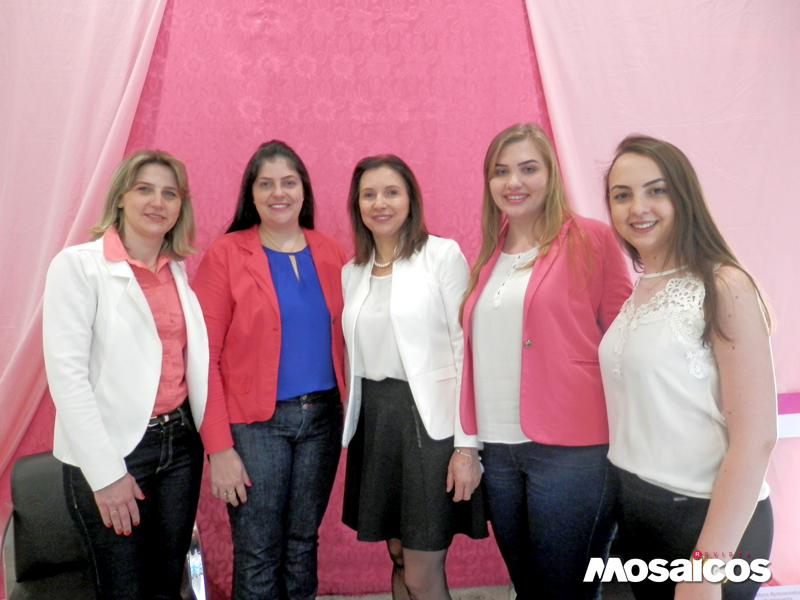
<point x="103" y="358"/>
<point x="427" y="290"/>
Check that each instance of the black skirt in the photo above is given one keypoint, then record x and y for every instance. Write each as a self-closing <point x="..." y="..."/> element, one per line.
<point x="397" y="476"/>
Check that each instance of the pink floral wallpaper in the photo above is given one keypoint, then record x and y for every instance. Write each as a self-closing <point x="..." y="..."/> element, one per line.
<point x="338" y="80"/>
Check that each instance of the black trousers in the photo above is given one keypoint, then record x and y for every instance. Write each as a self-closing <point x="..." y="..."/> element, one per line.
<point x="657" y="523"/>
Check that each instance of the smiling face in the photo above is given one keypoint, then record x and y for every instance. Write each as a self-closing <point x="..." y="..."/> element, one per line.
<point x="151" y="207"/>
<point x="278" y="194"/>
<point x="519" y="182"/>
<point x="641" y="208"/>
<point x="383" y="203"/>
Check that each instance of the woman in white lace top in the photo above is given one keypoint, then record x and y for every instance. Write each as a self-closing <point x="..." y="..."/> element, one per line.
<point x="688" y="377"/>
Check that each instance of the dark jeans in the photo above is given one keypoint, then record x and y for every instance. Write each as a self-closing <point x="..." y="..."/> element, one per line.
<point x="291" y="460"/>
<point x="657" y="523"/>
<point x="551" y="508"/>
<point x="167" y="465"/>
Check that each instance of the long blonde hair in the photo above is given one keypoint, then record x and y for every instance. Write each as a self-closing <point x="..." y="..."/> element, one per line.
<point x="178" y="240"/>
<point x="556" y="207"/>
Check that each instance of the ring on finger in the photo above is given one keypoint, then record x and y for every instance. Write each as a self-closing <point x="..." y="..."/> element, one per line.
<point x="113" y="511"/>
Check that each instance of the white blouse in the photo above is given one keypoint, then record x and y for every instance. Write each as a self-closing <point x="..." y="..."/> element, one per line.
<point x="496" y="340"/>
<point x="376" y="355"/>
<point x="662" y="391"/>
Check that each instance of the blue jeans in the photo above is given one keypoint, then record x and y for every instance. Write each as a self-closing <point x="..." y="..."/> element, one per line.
<point x="551" y="508"/>
<point x="291" y="460"/>
<point x="168" y="466"/>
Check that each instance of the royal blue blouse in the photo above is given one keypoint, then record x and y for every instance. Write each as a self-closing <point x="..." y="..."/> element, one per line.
<point x="306" y="364"/>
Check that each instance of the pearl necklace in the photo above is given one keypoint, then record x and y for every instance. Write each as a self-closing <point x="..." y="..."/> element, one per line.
<point x="375" y="262"/>
<point x="662" y="273"/>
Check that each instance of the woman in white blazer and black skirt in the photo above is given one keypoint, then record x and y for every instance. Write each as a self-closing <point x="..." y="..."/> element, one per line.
<point x="126" y="353"/>
<point x="412" y="473"/>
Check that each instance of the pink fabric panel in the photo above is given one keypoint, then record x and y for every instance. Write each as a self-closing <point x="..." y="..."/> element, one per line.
<point x="719" y="80"/>
<point x="338" y="80"/>
<point x="72" y="86"/>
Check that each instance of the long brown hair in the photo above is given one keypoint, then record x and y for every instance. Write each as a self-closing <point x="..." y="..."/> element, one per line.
<point x="695" y="241"/>
<point x="178" y="240"/>
<point x="556" y="206"/>
<point x="246" y="214"/>
<point x="413" y="233"/>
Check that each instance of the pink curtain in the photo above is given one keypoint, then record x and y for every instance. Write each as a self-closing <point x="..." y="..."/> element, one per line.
<point x="72" y="74"/>
<point x="718" y="79"/>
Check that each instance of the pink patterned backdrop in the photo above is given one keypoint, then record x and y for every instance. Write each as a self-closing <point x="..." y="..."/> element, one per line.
<point x="338" y="80"/>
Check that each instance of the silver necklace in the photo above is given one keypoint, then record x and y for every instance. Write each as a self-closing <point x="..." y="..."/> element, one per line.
<point x="662" y="273"/>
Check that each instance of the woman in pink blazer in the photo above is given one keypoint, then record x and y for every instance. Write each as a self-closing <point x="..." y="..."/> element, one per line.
<point x="544" y="288"/>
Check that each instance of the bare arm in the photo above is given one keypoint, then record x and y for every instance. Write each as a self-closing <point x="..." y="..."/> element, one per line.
<point x="747" y="390"/>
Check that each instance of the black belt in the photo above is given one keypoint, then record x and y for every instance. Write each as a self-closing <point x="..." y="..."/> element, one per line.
<point x="167" y="417"/>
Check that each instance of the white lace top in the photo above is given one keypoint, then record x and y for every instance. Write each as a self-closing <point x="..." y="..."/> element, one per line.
<point x="662" y="391"/>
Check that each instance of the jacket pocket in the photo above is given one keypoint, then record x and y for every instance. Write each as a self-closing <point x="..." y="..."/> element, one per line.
<point x="448" y="372"/>
<point x="237" y="384"/>
<point x="585" y="361"/>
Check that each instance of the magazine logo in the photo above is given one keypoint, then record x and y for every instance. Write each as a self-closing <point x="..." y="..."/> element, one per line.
<point x="680" y="569"/>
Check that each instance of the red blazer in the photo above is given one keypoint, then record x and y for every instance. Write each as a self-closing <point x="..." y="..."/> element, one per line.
<point x="565" y="316"/>
<point x="240" y="307"/>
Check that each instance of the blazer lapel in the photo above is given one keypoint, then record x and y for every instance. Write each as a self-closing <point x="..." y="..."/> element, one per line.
<point x="543" y="265"/>
<point x="133" y="291"/>
<point x="358" y="288"/>
<point x="258" y="266"/>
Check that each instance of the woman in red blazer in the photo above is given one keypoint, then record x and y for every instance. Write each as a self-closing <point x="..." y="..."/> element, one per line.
<point x="544" y="288"/>
<point x="271" y="294"/>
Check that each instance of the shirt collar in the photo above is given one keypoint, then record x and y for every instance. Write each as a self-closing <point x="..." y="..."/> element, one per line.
<point x="114" y="250"/>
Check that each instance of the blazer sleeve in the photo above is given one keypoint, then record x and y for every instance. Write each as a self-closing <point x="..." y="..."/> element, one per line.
<point x="452" y="275"/>
<point x="212" y="285"/>
<point x="69" y="311"/>
<point x="616" y="282"/>
<point x="347" y="271"/>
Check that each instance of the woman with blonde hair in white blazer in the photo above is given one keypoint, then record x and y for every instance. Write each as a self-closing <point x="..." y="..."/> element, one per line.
<point x="126" y="353"/>
<point x="412" y="473"/>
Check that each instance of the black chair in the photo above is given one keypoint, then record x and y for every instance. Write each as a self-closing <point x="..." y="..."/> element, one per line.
<point x="43" y="556"/>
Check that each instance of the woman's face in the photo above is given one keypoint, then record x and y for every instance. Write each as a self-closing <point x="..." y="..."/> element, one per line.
<point x="384" y="203"/>
<point x="278" y="194"/>
<point x="641" y="207"/>
<point x="152" y="206"/>
<point x="518" y="181"/>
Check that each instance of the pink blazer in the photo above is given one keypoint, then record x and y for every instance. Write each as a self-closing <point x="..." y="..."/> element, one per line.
<point x="568" y="306"/>
<point x="240" y="307"/>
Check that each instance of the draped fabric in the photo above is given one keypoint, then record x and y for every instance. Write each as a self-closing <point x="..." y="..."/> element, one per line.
<point x="71" y="74"/>
<point x="718" y="79"/>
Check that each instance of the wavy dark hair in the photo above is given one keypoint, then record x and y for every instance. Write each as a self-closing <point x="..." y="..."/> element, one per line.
<point x="695" y="240"/>
<point x="413" y="233"/>
<point x="246" y="214"/>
